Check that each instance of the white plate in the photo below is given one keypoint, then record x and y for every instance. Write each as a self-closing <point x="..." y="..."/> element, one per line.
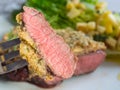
<point x="113" y="5"/>
<point x="104" y="78"/>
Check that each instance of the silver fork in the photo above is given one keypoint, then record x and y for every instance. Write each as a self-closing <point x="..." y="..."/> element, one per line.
<point x="8" y="63"/>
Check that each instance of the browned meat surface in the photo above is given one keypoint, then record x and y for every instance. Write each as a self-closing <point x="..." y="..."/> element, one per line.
<point x="19" y="75"/>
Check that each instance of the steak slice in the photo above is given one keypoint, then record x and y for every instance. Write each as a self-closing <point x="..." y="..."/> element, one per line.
<point x="58" y="56"/>
<point x="89" y="62"/>
<point x="90" y="54"/>
<point x="55" y="51"/>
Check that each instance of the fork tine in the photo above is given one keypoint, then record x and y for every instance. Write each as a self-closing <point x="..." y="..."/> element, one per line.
<point x="16" y="65"/>
<point x="8" y="44"/>
<point x="11" y="55"/>
<point x="12" y="66"/>
<point x="8" y="62"/>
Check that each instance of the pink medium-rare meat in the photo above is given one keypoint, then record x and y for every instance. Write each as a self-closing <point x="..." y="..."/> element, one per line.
<point x="89" y="62"/>
<point x="55" y="51"/>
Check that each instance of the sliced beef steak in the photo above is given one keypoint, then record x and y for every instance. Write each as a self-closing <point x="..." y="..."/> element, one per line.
<point x="23" y="75"/>
<point x="55" y="51"/>
<point x="89" y="62"/>
<point x="65" y="54"/>
<point x="86" y="63"/>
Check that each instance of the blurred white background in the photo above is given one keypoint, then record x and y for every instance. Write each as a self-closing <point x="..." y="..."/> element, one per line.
<point x="113" y="5"/>
<point x="7" y="6"/>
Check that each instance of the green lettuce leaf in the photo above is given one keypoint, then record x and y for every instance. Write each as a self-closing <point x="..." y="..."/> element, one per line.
<point x="56" y="14"/>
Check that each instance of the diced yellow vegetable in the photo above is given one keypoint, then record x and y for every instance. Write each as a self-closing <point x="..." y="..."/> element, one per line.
<point x="101" y="29"/>
<point x="108" y="21"/>
<point x="109" y="28"/>
<point x="74" y="12"/>
<point x="82" y="27"/>
<point x="91" y="26"/>
<point x="86" y="27"/>
<point x="112" y="19"/>
<point x="106" y="14"/>
<point x="109" y="16"/>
